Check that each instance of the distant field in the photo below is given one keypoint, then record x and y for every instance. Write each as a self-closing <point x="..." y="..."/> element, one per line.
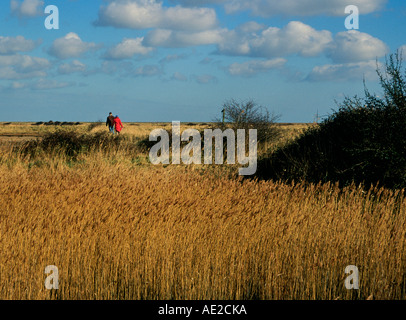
<point x="17" y="131"/>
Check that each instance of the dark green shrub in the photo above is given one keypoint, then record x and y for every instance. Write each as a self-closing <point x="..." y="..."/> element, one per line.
<point x="364" y="141"/>
<point x="144" y="144"/>
<point x="72" y="143"/>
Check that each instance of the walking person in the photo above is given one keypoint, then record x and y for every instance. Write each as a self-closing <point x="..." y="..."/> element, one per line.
<point x="118" y="125"/>
<point x="110" y="122"/>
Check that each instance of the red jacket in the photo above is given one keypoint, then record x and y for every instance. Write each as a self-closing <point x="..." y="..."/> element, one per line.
<point x="117" y="124"/>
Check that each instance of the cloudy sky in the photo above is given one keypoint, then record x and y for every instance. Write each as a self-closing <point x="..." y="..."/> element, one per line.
<point x="150" y="60"/>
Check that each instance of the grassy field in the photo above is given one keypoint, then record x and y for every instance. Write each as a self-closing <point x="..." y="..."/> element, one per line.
<point x="118" y="227"/>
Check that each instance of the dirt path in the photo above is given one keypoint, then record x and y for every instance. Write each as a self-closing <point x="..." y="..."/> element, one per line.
<point x="12" y="137"/>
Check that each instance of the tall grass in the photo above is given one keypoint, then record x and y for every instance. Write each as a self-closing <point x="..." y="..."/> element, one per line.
<point x="133" y="232"/>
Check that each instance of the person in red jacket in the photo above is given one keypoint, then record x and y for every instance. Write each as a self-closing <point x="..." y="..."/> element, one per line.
<point x="117" y="124"/>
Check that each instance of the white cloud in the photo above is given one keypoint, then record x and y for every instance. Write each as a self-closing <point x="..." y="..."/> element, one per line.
<point x="127" y="49"/>
<point x="256" y="40"/>
<point x="205" y="79"/>
<point x="17" y="85"/>
<point x="196" y="3"/>
<point x="402" y="49"/>
<point x="10" y="45"/>
<point x="22" y="66"/>
<point x="45" y="84"/>
<point x="147" y="71"/>
<point x="295" y="38"/>
<point x="143" y="14"/>
<point x="250" y="39"/>
<point x="41" y="84"/>
<point x="173" y="57"/>
<point x="355" y="46"/>
<point x="176" y="39"/>
<point x="70" y="46"/>
<point x="27" y="8"/>
<point x="344" y="72"/>
<point x="253" y="67"/>
<point x="266" y="8"/>
<point x="74" y="66"/>
<point x="179" y="77"/>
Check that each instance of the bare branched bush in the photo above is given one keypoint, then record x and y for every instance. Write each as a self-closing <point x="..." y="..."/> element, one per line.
<point x="249" y="115"/>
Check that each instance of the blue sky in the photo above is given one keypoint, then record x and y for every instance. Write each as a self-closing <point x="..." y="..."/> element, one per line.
<point x="150" y="60"/>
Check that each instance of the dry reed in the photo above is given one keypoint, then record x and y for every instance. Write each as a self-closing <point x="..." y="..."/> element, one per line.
<point x="132" y="232"/>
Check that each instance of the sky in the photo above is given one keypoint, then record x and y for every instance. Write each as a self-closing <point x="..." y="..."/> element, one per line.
<point x="181" y="60"/>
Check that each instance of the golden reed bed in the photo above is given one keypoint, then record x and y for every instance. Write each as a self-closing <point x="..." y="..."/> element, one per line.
<point x="133" y="232"/>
